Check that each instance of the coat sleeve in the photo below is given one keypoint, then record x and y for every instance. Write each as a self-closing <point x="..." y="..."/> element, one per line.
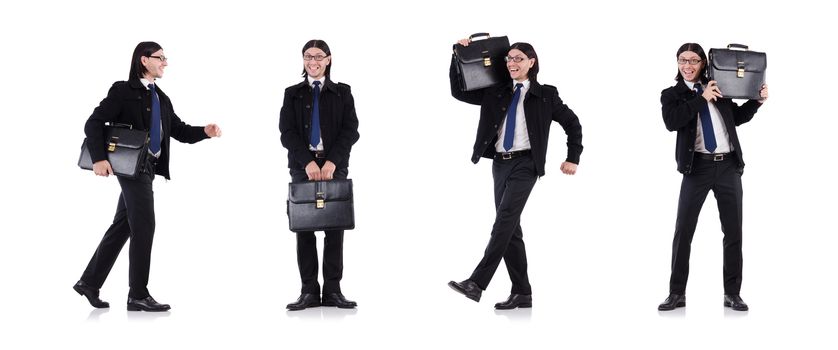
<point x="348" y="133"/>
<point x="677" y="112"/>
<point x="570" y="123"/>
<point x="184" y="132"/>
<point x="94" y="129"/>
<point x="289" y="134"/>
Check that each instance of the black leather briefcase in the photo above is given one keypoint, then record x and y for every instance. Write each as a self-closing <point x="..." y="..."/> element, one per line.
<point x="481" y="63"/>
<point x="321" y="206"/>
<point x="127" y="149"/>
<point x="739" y="73"/>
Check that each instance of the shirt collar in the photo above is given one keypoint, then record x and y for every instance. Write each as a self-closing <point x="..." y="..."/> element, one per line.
<point x="146" y="82"/>
<point x="311" y="80"/>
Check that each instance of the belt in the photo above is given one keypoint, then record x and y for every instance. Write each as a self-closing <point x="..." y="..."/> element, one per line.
<point x="318" y="154"/>
<point x="510" y="155"/>
<point x="716" y="157"/>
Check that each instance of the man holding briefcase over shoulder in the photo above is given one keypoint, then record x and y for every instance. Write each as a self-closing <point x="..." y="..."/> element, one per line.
<point x="709" y="155"/>
<point x="140" y="103"/>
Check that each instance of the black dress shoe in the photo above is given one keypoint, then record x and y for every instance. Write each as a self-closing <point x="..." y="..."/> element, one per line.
<point x="305" y="300"/>
<point x="468" y="288"/>
<point x="673" y="301"/>
<point x="146" y="304"/>
<point x="337" y="299"/>
<point x="735" y="302"/>
<point x="515" y="300"/>
<point x="92" y="294"/>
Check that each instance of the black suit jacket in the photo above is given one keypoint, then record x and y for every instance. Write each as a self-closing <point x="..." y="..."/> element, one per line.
<point x="338" y="123"/>
<point x="680" y="106"/>
<point x="129" y="102"/>
<point x="542" y="105"/>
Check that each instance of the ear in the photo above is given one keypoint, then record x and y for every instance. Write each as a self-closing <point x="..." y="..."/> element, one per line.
<point x="143" y="60"/>
<point x="532" y="61"/>
<point x="328" y="60"/>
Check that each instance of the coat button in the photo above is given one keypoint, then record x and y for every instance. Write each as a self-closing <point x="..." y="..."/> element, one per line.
<point x="485" y="142"/>
<point x="496" y="126"/>
<point x="148" y="109"/>
<point x="306" y="126"/>
<point x="308" y="106"/>
<point x="503" y="109"/>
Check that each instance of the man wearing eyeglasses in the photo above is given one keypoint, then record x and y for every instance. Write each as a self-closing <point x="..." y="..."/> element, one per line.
<point x="140" y="104"/>
<point x="513" y="131"/>
<point x="318" y="127"/>
<point x="708" y="153"/>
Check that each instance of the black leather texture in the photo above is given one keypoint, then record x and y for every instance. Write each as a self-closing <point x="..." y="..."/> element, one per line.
<point x="321" y="206"/>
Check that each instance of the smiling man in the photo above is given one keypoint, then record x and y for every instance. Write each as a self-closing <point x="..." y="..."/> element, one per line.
<point x="515" y="120"/>
<point x="318" y="126"/>
<point x="141" y="104"/>
<point x="708" y="153"/>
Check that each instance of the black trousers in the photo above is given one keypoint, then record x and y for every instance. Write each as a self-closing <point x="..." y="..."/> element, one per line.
<point x="726" y="182"/>
<point x="332" y="249"/>
<point x="514" y="180"/>
<point x="134" y="219"/>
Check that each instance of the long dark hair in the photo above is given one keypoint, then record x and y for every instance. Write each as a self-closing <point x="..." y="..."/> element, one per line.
<point x="320" y="44"/>
<point x="145" y="48"/>
<point x="698" y="50"/>
<point x="528" y="50"/>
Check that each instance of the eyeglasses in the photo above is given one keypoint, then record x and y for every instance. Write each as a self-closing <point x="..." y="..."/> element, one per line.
<point x="317" y="58"/>
<point x="162" y="58"/>
<point x="692" y="61"/>
<point x="516" y="59"/>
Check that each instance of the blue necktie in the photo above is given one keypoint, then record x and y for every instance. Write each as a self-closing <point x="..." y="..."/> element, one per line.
<point x="706" y="123"/>
<point x="509" y="133"/>
<point x="315" y="117"/>
<point x="154" y="146"/>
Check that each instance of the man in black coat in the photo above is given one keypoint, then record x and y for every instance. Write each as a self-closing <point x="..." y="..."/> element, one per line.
<point x="708" y="153"/>
<point x="140" y="103"/>
<point x="318" y="126"/>
<point x="513" y="130"/>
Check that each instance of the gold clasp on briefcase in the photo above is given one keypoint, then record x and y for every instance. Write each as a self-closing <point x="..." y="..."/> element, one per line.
<point x="112" y="144"/>
<point x="320" y="202"/>
<point x="487" y="61"/>
<point x="740" y="71"/>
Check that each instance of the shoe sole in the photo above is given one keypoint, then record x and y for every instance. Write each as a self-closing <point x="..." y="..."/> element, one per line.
<point x="521" y="306"/>
<point x="339" y="307"/>
<point x="730" y="305"/>
<point x="670" y="309"/>
<point x="463" y="292"/>
<point x="137" y="308"/>
<point x="302" y="308"/>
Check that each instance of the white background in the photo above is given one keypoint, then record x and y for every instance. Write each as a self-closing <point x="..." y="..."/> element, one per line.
<point x="598" y="243"/>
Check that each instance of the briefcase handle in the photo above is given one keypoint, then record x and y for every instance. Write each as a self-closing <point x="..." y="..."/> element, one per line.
<point x="737" y="46"/>
<point x="477" y="35"/>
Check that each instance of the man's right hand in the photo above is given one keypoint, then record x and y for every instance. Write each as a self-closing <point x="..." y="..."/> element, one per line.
<point x="313" y="171"/>
<point x="102" y="168"/>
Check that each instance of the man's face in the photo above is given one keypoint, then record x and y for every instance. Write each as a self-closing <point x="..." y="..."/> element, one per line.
<point x="154" y="65"/>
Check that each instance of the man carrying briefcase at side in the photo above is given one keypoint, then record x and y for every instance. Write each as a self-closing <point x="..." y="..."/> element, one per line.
<point x="319" y="126"/>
